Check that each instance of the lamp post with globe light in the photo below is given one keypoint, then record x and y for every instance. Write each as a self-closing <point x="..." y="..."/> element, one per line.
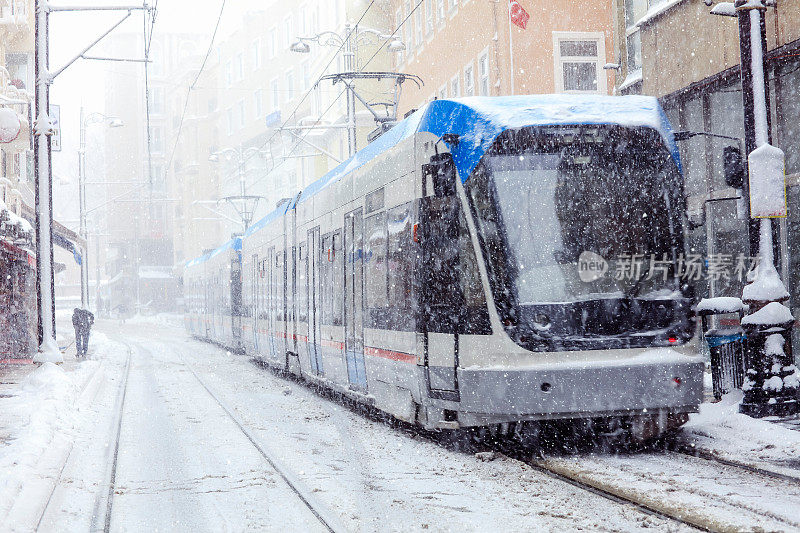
<point x="92" y="118"/>
<point x="349" y="42"/>
<point x="244" y="204"/>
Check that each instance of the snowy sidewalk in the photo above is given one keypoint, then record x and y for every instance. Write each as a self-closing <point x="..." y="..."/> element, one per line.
<point x="42" y="409"/>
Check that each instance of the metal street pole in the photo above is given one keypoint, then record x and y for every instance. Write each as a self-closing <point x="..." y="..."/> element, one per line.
<point x="349" y="66"/>
<point x="82" y="215"/>
<point x="43" y="130"/>
<point x="771" y="379"/>
<point x="43" y="174"/>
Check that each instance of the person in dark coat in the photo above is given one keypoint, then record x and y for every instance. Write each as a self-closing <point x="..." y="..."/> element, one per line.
<point x="82" y="321"/>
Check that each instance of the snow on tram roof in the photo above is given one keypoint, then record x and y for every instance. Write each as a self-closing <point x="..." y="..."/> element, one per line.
<point x="478" y="120"/>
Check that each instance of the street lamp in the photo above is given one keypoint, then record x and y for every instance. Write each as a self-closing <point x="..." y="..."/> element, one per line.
<point x="244" y="204"/>
<point x="349" y="42"/>
<point x="92" y="118"/>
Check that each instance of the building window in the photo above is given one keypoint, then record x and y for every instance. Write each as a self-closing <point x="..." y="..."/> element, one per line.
<point x="398" y="21"/>
<point x="429" y="17"/>
<point x="276" y="95"/>
<point x="289" y="85"/>
<point x="440" y="11"/>
<point x="453" y="5"/>
<point x="229" y="119"/>
<point x="157" y="139"/>
<point x="418" y="25"/>
<point x="579" y="62"/>
<point x="239" y="66"/>
<point x="241" y="113"/>
<point x="257" y="53"/>
<point x="157" y="100"/>
<point x="259" y="102"/>
<point x="408" y="28"/>
<point x="455" y="87"/>
<point x="272" y="43"/>
<point x="306" y="76"/>
<point x="441" y="94"/>
<point x="229" y="73"/>
<point x="634" y="46"/>
<point x="288" y="31"/>
<point x="469" y="80"/>
<point x="483" y="74"/>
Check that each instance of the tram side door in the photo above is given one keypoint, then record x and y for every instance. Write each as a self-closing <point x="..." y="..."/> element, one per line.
<point x="272" y="305"/>
<point x="237" y="306"/>
<point x="438" y="284"/>
<point x="312" y="293"/>
<point x="354" y="299"/>
<point x="255" y="297"/>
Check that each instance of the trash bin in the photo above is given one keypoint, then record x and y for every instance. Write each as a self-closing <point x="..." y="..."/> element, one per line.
<point x="726" y="348"/>
<point x="725" y="341"/>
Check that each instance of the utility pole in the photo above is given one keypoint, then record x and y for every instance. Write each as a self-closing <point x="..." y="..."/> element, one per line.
<point x="42" y="131"/>
<point x="771" y="380"/>
<point x="82" y="213"/>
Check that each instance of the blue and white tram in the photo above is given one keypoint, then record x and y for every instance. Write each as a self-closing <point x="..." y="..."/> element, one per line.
<point x="213" y="292"/>
<point x="485" y="261"/>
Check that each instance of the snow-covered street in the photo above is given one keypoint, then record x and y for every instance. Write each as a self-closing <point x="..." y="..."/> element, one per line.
<point x="169" y="433"/>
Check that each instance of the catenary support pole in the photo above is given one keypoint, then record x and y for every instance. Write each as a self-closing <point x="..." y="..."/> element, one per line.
<point x="82" y="213"/>
<point x="43" y="130"/>
<point x="772" y="380"/>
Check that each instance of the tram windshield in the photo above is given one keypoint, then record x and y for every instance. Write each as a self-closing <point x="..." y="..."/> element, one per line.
<point x="579" y="223"/>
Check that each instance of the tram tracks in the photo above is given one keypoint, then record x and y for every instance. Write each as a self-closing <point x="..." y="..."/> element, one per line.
<point x="104" y="500"/>
<point x="686" y="489"/>
<point x="325" y="516"/>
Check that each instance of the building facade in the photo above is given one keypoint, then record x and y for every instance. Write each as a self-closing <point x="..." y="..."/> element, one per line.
<point x="563" y="48"/>
<point x="688" y="58"/>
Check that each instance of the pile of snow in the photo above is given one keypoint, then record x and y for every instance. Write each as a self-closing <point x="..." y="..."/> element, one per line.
<point x="15" y="219"/>
<point x="774" y="313"/>
<point x="40" y="417"/>
<point x="766" y="287"/>
<point x="10" y="125"/>
<point x="720" y="305"/>
<point x="719" y="428"/>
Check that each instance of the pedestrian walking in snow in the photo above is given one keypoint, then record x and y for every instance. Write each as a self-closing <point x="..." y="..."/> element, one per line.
<point x="82" y="321"/>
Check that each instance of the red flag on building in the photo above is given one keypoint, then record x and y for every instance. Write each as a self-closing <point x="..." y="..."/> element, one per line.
<point x="518" y="14"/>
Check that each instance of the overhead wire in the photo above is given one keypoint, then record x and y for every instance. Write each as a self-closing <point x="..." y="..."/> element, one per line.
<point x="304" y="135"/>
<point x="192" y="85"/>
<point x="314" y="85"/>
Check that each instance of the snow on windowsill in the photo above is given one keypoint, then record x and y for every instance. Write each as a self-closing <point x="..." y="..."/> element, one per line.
<point x="656" y="11"/>
<point x="631" y="79"/>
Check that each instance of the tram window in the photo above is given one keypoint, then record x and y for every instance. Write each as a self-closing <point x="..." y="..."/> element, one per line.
<point x="374" y="201"/>
<point x="400" y="268"/>
<point x="279" y="281"/>
<point x="338" y="280"/>
<point x="476" y="321"/>
<point x="375" y="270"/>
<point x="325" y="269"/>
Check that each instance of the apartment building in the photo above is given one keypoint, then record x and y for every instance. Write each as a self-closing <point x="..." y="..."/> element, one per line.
<point x="277" y="130"/>
<point x="140" y="210"/>
<point x="562" y="47"/>
<point x="689" y="58"/>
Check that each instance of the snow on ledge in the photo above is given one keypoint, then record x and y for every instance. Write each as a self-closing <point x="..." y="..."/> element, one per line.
<point x="773" y="313"/>
<point x="631" y="79"/>
<point x="720" y="305"/>
<point x="656" y="11"/>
